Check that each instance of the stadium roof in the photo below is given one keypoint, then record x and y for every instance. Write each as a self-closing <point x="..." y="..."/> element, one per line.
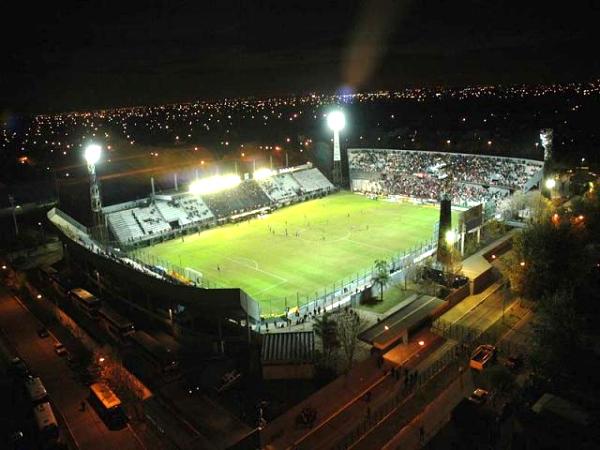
<point x="295" y="347"/>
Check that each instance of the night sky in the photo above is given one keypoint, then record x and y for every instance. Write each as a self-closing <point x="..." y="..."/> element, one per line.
<point x="91" y="54"/>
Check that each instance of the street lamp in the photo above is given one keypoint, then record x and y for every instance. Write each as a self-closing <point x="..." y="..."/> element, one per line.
<point x="550" y="183"/>
<point x="92" y="155"/>
<point x="336" y="121"/>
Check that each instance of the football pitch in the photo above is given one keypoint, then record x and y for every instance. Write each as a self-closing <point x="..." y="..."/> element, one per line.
<point x="301" y="250"/>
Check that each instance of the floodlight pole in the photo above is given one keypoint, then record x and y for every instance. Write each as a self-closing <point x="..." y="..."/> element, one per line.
<point x="337" y="159"/>
<point x="96" y="203"/>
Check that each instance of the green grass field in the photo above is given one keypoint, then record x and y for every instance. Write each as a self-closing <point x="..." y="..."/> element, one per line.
<point x="327" y="240"/>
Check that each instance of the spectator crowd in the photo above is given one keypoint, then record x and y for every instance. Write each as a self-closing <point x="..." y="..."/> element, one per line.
<point x="468" y="179"/>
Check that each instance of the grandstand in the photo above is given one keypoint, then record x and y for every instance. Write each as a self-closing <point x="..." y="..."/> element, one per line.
<point x="246" y="197"/>
<point x="282" y="188"/>
<point x="160" y="217"/>
<point x="469" y="179"/>
<point x="312" y="180"/>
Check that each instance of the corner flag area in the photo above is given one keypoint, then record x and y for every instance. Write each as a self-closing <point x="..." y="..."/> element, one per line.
<point x="299" y="251"/>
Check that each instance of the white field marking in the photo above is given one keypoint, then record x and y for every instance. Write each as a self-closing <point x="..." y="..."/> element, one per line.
<point x="270" y="287"/>
<point x="250" y="260"/>
<point x="257" y="269"/>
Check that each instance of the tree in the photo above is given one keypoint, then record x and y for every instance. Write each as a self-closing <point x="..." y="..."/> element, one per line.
<point x="326" y="329"/>
<point x="545" y="258"/>
<point x="381" y="276"/>
<point x="559" y="354"/>
<point x="349" y="326"/>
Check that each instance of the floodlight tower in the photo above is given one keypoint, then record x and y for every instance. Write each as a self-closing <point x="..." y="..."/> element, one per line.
<point x="336" y="122"/>
<point x="92" y="156"/>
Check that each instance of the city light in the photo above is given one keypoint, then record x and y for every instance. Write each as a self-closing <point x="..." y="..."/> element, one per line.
<point x="336" y="120"/>
<point x="550" y="183"/>
<point x="92" y="153"/>
<point x="213" y="184"/>
<point x="263" y="173"/>
<point x="421" y="343"/>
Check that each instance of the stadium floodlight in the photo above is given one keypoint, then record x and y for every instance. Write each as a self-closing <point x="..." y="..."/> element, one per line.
<point x="550" y="183"/>
<point x="336" y="121"/>
<point x="213" y="184"/>
<point x="261" y="174"/>
<point x="92" y="153"/>
<point x="450" y="237"/>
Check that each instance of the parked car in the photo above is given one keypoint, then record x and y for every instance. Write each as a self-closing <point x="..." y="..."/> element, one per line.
<point x="43" y="332"/>
<point x="60" y="349"/>
<point x="479" y="396"/>
<point x="514" y="363"/>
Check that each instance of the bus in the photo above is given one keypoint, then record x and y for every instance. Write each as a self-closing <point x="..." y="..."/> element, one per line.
<point x="36" y="390"/>
<point x="88" y="303"/>
<point x="108" y="405"/>
<point x="45" y="421"/>
<point x="158" y="354"/>
<point x="117" y="326"/>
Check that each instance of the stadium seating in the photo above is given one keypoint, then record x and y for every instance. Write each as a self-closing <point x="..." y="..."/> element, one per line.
<point x="469" y="179"/>
<point x="184" y="210"/>
<point x="154" y="217"/>
<point x="150" y="220"/>
<point x="124" y="226"/>
<point x="247" y="196"/>
<point x="312" y="180"/>
<point x="280" y="188"/>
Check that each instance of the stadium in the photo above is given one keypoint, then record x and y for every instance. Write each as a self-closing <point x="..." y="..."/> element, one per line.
<point x="231" y="251"/>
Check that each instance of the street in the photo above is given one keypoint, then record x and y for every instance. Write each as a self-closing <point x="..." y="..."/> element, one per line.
<point x="65" y="392"/>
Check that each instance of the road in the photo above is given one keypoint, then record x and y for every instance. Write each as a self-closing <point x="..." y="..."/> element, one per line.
<point x="66" y="393"/>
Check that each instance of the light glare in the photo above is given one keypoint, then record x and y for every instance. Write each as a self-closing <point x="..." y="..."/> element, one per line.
<point x="92" y="153"/>
<point x="450" y="237"/>
<point x="214" y="184"/>
<point x="263" y="173"/>
<point x="336" y="120"/>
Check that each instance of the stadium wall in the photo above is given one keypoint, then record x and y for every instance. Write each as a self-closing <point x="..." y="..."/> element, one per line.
<point x="188" y="310"/>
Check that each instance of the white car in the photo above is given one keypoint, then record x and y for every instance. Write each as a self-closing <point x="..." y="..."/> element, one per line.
<point x="60" y="349"/>
<point x="479" y="396"/>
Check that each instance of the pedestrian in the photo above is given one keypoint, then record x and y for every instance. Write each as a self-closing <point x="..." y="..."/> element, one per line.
<point x="422" y="435"/>
<point x="82" y="405"/>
